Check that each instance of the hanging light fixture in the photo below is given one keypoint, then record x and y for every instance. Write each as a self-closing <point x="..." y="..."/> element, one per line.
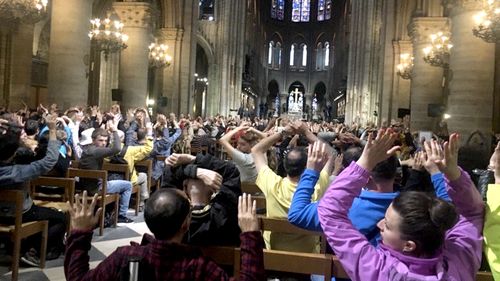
<point x="11" y="10"/>
<point x="108" y="35"/>
<point x="405" y="66"/>
<point x="488" y="22"/>
<point x="158" y="56"/>
<point x="438" y="52"/>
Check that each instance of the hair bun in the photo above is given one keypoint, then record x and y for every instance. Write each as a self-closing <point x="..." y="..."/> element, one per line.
<point x="442" y="214"/>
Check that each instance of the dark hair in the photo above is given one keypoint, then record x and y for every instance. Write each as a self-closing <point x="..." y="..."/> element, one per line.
<point x="250" y="138"/>
<point x="351" y="154"/>
<point x="295" y="162"/>
<point x="141" y="134"/>
<point x="24" y="156"/>
<point x="424" y="220"/>
<point x="165" y="212"/>
<point x="31" y="127"/>
<point x="99" y="132"/>
<point x="386" y="169"/>
<point x="9" y="139"/>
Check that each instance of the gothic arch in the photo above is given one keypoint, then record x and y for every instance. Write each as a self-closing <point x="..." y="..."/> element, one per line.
<point x="206" y="47"/>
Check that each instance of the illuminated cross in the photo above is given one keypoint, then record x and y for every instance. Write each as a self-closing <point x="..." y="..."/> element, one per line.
<point x="296" y="95"/>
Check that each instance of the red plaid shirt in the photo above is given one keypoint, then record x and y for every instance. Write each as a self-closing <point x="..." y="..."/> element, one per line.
<point x="160" y="260"/>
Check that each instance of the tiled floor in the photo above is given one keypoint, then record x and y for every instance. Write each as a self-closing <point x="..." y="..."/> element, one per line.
<point x="102" y="246"/>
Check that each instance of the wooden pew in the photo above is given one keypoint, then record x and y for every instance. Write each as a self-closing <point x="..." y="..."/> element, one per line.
<point x="103" y="197"/>
<point x="20" y="230"/>
<point x="146" y="166"/>
<point x="484" y="276"/>
<point x="250" y="188"/>
<point x="124" y="170"/>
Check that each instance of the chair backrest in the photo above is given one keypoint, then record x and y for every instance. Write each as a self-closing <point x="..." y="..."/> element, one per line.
<point x="147" y="165"/>
<point x="284" y="226"/>
<point x="303" y="263"/>
<point x="117" y="168"/>
<point x="484" y="276"/>
<point x="250" y="188"/>
<point x="15" y="198"/>
<point x="90" y="174"/>
<point x="67" y="184"/>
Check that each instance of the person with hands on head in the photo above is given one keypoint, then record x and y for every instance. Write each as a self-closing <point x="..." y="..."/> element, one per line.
<point x="162" y="256"/>
<point x="492" y="218"/>
<point x="423" y="237"/>
<point x="163" y="142"/>
<point x="241" y="155"/>
<point x="213" y="186"/>
<point x="17" y="177"/>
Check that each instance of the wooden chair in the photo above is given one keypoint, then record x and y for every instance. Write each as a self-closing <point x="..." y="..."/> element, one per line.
<point x="55" y="201"/>
<point x="20" y="230"/>
<point x="284" y="226"/>
<point x="104" y="199"/>
<point x="250" y="188"/>
<point x="300" y="263"/>
<point x="123" y="170"/>
<point x="484" y="276"/>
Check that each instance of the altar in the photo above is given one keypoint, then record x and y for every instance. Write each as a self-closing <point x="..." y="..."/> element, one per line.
<point x="295" y="104"/>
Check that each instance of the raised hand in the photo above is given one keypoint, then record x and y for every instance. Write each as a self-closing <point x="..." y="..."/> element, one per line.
<point x="433" y="152"/>
<point x="247" y="214"/>
<point x="317" y="156"/>
<point x="338" y="166"/>
<point x="211" y="179"/>
<point x="82" y="214"/>
<point x="111" y="126"/>
<point x="51" y="121"/>
<point x="378" y="149"/>
<point x="446" y="158"/>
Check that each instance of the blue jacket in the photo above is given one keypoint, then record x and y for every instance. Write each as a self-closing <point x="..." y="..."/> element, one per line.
<point x="367" y="209"/>
<point x="162" y="147"/>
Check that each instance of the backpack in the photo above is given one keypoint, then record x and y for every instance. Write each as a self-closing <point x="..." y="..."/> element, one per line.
<point x="118" y="158"/>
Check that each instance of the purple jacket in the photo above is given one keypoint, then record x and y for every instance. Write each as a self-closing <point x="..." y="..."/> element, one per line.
<point x="459" y="259"/>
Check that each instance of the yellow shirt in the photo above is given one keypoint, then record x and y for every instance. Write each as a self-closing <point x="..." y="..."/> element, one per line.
<point x="279" y="193"/>
<point x="135" y="154"/>
<point x="492" y="229"/>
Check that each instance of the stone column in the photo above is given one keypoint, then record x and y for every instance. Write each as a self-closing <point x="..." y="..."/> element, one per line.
<point x="170" y="86"/>
<point x="472" y="65"/>
<point x="426" y="83"/>
<point x="133" y="78"/>
<point x="68" y="52"/>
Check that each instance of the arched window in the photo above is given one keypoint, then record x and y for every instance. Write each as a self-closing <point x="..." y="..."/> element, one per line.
<point x="277" y="9"/>
<point x="304" y="54"/>
<point x="301" y="10"/>
<point x="324" y="10"/>
<point x="319" y="56"/>
<point x="327" y="55"/>
<point x="277" y="56"/>
<point x="292" y="55"/>
<point x="270" y="53"/>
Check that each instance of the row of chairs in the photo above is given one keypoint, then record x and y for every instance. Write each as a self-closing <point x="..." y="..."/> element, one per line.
<point x="64" y="190"/>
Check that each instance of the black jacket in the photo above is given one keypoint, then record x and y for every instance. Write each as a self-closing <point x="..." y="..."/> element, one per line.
<point x="217" y="223"/>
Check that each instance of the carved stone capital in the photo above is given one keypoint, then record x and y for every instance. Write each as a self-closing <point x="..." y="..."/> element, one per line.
<point x="169" y="34"/>
<point x="455" y="7"/>
<point x="134" y="14"/>
<point x="421" y="28"/>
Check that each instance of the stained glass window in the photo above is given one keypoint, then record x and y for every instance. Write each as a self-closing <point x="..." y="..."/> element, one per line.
<point x="324" y="10"/>
<point x="292" y="55"/>
<point x="270" y="53"/>
<point x="278" y="9"/>
<point x="327" y="54"/>
<point x="301" y="10"/>
<point x="304" y="55"/>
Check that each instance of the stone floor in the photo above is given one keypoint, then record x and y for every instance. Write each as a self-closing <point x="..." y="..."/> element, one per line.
<point x="102" y="246"/>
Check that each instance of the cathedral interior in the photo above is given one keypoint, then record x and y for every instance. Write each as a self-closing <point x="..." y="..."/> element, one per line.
<point x="349" y="60"/>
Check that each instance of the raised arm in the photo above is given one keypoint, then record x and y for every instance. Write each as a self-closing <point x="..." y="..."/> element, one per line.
<point x="303" y="213"/>
<point x="358" y="257"/>
<point x="260" y="149"/>
<point x="225" y="140"/>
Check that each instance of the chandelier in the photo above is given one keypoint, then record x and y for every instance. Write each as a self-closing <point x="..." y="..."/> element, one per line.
<point x="488" y="22"/>
<point x="158" y="56"/>
<point x="108" y="35"/>
<point x="405" y="66"/>
<point x="438" y="53"/>
<point x="11" y="10"/>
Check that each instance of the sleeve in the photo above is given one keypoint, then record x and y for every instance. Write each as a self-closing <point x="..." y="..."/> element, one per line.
<point x="139" y="152"/>
<point x="23" y="173"/>
<point x="492" y="228"/>
<point x="359" y="258"/>
<point x="303" y="213"/>
<point x="129" y="135"/>
<point x="320" y="188"/>
<point x="76" y="260"/>
<point x="175" y="136"/>
<point x="440" y="186"/>
<point x="230" y="175"/>
<point x="252" y="256"/>
<point x="76" y="140"/>
<point x="463" y="242"/>
<point x="267" y="180"/>
<point x="238" y="156"/>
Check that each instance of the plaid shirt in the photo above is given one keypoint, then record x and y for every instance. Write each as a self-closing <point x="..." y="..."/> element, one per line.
<point x="160" y="260"/>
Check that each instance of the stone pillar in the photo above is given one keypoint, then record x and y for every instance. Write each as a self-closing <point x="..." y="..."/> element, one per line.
<point x="68" y="53"/>
<point x="426" y="83"/>
<point x="400" y="96"/>
<point x="170" y="86"/>
<point x="472" y="65"/>
<point x="133" y="77"/>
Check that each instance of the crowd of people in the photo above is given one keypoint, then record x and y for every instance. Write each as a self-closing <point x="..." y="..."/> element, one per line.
<point x="391" y="205"/>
